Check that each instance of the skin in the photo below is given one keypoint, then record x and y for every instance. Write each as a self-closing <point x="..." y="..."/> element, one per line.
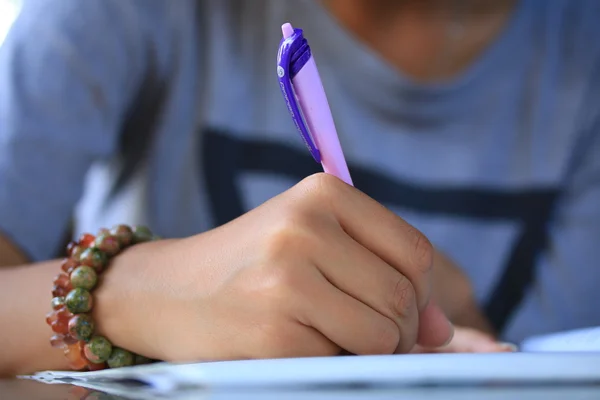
<point x="414" y="36"/>
<point x="452" y="290"/>
<point x="318" y="280"/>
<point x="333" y="269"/>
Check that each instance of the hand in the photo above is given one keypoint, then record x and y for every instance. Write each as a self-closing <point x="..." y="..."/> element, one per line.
<point x="467" y="340"/>
<point x="318" y="269"/>
<point x="452" y="290"/>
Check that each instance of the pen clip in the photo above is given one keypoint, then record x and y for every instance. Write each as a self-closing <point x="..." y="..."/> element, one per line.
<point x="293" y="54"/>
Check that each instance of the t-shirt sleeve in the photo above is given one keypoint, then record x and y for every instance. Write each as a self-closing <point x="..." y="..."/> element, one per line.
<point x="68" y="70"/>
<point x="566" y="290"/>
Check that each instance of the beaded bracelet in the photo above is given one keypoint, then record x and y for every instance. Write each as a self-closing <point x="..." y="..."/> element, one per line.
<point x="72" y="302"/>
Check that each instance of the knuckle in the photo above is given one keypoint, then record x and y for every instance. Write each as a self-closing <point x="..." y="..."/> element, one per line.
<point x="287" y="238"/>
<point x="320" y="180"/>
<point x="321" y="186"/>
<point x="402" y="297"/>
<point x="281" y="281"/>
<point x="282" y="266"/>
<point x="423" y="252"/>
<point x="284" y="261"/>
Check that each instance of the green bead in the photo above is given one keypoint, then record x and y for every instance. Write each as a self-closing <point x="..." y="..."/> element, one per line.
<point x="98" y="349"/>
<point x="81" y="327"/>
<point x="95" y="395"/>
<point x="93" y="257"/>
<point x="108" y="244"/>
<point x="141" y="360"/>
<point x="84" y="277"/>
<point x="120" y="358"/>
<point x="78" y="301"/>
<point x="103" y="231"/>
<point x="77" y="252"/>
<point x="123" y="234"/>
<point x="142" y="234"/>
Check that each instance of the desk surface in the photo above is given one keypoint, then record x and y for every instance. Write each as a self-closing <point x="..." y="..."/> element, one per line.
<point x="21" y="389"/>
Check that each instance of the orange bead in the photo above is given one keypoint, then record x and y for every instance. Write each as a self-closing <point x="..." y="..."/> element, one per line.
<point x="86" y="240"/>
<point x="57" y="302"/>
<point x="62" y="280"/>
<point x="60" y="326"/>
<point x="59" y="320"/>
<point x="59" y="291"/>
<point x="74" y="354"/>
<point x="77" y="392"/>
<point x="63" y="313"/>
<point x="96" y="367"/>
<point x="60" y="313"/>
<point x="51" y="317"/>
<point x="70" y="246"/>
<point x="68" y="265"/>
<point x="57" y="341"/>
<point x="69" y="340"/>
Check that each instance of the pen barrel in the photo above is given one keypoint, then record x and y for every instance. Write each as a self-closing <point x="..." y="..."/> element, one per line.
<point x="317" y="114"/>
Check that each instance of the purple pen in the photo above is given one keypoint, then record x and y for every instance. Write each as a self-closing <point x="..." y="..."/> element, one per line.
<point x="306" y="101"/>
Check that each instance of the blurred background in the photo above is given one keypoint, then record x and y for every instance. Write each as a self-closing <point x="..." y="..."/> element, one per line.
<point x="8" y="13"/>
<point x="497" y="170"/>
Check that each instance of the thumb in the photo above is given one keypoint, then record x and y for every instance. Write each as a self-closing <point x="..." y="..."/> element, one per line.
<point x="468" y="340"/>
<point x="435" y="330"/>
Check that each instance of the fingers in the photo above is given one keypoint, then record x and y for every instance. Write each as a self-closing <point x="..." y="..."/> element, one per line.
<point x="376" y="265"/>
<point x="434" y="329"/>
<point x="468" y="340"/>
<point x="379" y="230"/>
<point x="368" y="279"/>
<point x="347" y="322"/>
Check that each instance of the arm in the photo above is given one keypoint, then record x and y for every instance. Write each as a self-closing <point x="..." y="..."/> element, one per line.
<point x="68" y="71"/>
<point x="231" y="293"/>
<point x="25" y="302"/>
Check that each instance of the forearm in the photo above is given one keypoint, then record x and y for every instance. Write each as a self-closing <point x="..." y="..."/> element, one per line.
<point x="24" y="302"/>
<point x="25" y="296"/>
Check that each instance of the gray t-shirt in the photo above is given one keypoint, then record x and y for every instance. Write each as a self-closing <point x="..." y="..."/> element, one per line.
<point x="168" y="113"/>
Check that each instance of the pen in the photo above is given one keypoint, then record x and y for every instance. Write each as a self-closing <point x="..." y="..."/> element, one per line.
<point x="307" y="103"/>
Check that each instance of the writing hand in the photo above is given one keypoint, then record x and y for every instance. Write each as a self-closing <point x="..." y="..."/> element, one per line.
<point x="318" y="269"/>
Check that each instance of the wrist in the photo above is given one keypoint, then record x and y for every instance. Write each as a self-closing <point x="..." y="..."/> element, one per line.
<point x="75" y="299"/>
<point x="124" y="306"/>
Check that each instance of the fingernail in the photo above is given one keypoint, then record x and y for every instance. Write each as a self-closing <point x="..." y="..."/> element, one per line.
<point x="451" y="325"/>
<point x="433" y="305"/>
<point x="509" y="347"/>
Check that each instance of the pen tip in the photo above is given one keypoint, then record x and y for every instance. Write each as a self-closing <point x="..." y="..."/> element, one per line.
<point x="287" y="29"/>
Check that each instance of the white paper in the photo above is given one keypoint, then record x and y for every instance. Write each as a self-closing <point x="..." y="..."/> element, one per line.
<point x="563" y="358"/>
<point x="581" y="340"/>
<point x="376" y="371"/>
